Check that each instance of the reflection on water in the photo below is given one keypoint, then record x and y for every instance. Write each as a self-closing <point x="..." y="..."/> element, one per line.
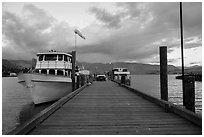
<point x="29" y="110"/>
<point x="17" y="104"/>
<point x="150" y="84"/>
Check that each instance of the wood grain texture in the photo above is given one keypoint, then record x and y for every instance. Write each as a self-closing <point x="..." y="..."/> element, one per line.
<point x="105" y="108"/>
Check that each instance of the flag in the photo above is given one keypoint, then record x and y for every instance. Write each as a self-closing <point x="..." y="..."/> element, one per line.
<point x="76" y="31"/>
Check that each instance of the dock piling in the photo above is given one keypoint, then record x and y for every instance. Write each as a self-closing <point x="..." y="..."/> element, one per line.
<point x="163" y="73"/>
<point x="73" y="69"/>
<point x="78" y="82"/>
<point x="189" y="89"/>
<point x="82" y="80"/>
<point x="123" y="80"/>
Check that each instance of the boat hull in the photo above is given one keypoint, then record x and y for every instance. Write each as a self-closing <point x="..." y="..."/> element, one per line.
<point x="45" y="88"/>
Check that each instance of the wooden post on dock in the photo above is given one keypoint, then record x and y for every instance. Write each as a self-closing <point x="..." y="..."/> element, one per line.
<point x="189" y="89"/>
<point x="82" y="80"/>
<point x="123" y="79"/>
<point x="163" y="73"/>
<point x="73" y="69"/>
<point x="78" y="79"/>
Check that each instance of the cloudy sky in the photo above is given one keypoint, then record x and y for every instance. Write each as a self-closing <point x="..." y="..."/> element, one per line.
<point x="114" y="32"/>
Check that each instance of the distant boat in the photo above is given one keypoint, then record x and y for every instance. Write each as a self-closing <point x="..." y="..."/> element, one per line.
<point x="117" y="74"/>
<point x="12" y="74"/>
<point x="198" y="77"/>
<point x="51" y="78"/>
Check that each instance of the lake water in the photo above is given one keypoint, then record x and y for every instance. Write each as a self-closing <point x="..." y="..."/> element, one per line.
<point x="150" y="84"/>
<point x="17" y="105"/>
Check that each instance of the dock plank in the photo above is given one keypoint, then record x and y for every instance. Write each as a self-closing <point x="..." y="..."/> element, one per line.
<point x="105" y="108"/>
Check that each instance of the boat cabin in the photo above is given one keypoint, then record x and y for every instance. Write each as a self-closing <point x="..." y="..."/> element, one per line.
<point x="54" y="63"/>
<point x="119" y="72"/>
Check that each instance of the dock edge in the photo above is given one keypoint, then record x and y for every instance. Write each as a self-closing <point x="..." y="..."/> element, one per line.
<point x="168" y="106"/>
<point x="44" y="114"/>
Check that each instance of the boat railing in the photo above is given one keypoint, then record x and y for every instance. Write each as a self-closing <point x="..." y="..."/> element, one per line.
<point x="53" y="64"/>
<point x="121" y="72"/>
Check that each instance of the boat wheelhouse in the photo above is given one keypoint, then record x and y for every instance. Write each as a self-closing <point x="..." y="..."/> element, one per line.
<point x="54" y="63"/>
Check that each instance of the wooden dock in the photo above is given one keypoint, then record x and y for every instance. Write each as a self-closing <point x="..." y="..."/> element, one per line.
<point x="105" y="108"/>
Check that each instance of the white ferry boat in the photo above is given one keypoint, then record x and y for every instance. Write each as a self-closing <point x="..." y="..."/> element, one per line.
<point x="51" y="78"/>
<point x="117" y="74"/>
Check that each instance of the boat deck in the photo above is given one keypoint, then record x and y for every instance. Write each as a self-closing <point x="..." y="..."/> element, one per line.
<point x="105" y="108"/>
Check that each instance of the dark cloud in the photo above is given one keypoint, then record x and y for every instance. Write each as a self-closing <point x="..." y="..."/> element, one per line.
<point x="19" y="33"/>
<point x="135" y="32"/>
<point x="192" y="18"/>
<point x="173" y="60"/>
<point x="34" y="32"/>
<point x="129" y="46"/>
<point x="168" y="15"/>
<point x="110" y="20"/>
<point x="192" y="42"/>
<point x="195" y="63"/>
<point x="37" y="18"/>
<point x="150" y="25"/>
<point x="133" y="10"/>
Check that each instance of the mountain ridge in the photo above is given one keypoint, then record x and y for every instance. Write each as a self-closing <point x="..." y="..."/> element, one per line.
<point x="134" y="68"/>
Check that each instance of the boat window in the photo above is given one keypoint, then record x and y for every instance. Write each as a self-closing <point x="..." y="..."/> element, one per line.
<point x="50" y="57"/>
<point x="124" y="70"/>
<point x="36" y="71"/>
<point x="65" y="58"/>
<point x="44" y="71"/>
<point x="60" y="57"/>
<point x="40" y="57"/>
<point x="69" y="73"/>
<point x="69" y="59"/>
<point x="115" y="69"/>
<point x="66" y="72"/>
<point x="52" y="71"/>
<point x="59" y="72"/>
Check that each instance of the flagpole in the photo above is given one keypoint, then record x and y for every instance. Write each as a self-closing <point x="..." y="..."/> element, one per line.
<point x="182" y="59"/>
<point x="75" y="41"/>
<point x="75" y="50"/>
<point x="79" y="33"/>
